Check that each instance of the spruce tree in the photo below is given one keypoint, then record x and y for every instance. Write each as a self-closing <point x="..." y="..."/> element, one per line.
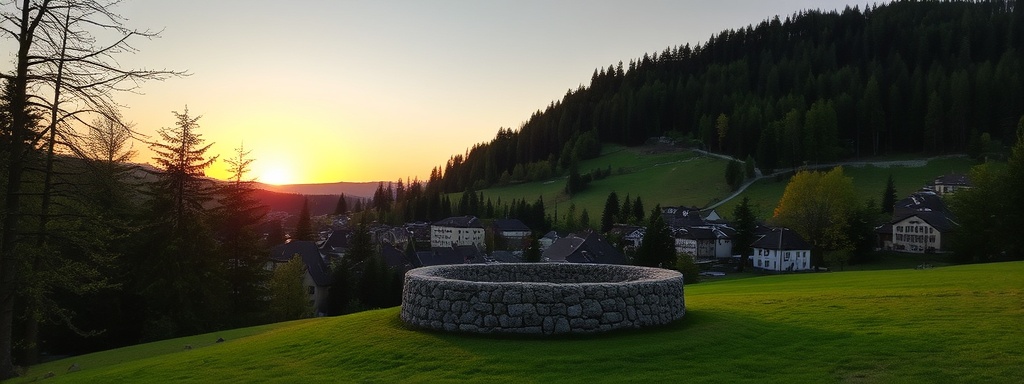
<point x="745" y="224"/>
<point x="638" y="210"/>
<point x="183" y="280"/>
<point x="611" y="211"/>
<point x="342" y="207"/>
<point x="889" y="196"/>
<point x="304" y="228"/>
<point x="658" y="248"/>
<point x="532" y="254"/>
<point x="239" y="214"/>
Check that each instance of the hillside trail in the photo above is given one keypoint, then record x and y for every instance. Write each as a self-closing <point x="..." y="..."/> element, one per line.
<point x="916" y="163"/>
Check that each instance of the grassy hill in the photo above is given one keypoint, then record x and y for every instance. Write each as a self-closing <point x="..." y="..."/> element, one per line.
<point x="869" y="182"/>
<point x="685" y="178"/>
<point x="679" y="177"/>
<point x="950" y="324"/>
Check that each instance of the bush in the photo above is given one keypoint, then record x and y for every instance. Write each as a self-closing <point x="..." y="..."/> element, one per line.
<point x="689" y="269"/>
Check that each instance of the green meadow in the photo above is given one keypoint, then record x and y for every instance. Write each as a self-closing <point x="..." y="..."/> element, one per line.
<point x="868" y="181"/>
<point x="685" y="178"/>
<point x="666" y="178"/>
<point x="947" y="324"/>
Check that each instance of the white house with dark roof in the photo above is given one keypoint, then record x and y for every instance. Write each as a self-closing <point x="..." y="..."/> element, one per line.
<point x="511" y="232"/>
<point x="456" y="231"/>
<point x="921" y="232"/>
<point x="949" y="184"/>
<point x="920" y="224"/>
<point x="706" y="242"/>
<point x="781" y="250"/>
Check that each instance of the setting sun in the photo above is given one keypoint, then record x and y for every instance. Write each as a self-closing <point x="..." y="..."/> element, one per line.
<point x="276" y="176"/>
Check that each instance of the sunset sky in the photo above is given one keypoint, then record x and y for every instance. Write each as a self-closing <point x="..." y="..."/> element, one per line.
<point x="326" y="91"/>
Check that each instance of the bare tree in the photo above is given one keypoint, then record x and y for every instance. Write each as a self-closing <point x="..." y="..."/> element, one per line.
<point x="62" y="68"/>
<point x="108" y="141"/>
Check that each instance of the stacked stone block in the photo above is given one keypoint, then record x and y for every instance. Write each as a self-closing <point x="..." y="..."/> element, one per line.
<point x="541" y="298"/>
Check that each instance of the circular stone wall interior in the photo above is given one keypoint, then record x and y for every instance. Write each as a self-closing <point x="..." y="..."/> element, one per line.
<point x="541" y="298"/>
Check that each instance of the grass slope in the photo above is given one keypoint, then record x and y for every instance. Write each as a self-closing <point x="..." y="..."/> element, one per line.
<point x="684" y="178"/>
<point x="869" y="182"/>
<point x="667" y="178"/>
<point x="951" y="324"/>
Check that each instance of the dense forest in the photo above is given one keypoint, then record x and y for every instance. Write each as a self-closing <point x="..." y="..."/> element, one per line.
<point x="906" y="77"/>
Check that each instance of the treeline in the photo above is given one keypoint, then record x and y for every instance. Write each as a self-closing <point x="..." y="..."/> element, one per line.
<point x="923" y="77"/>
<point x="401" y="202"/>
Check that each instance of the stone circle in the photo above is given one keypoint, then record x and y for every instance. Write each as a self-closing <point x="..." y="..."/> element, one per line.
<point x="540" y="298"/>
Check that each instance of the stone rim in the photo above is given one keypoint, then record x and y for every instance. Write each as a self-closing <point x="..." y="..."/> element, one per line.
<point x="464" y="298"/>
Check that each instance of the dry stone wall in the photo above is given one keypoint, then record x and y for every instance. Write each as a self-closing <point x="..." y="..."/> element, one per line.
<point x="541" y="298"/>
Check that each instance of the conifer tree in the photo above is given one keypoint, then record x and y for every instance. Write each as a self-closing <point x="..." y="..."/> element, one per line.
<point x="239" y="214"/>
<point x="658" y="248"/>
<point x="342" y="207"/>
<point x="183" y="280"/>
<point x="304" y="228"/>
<point x="611" y="211"/>
<point x="889" y="196"/>
<point x="745" y="223"/>
<point x="638" y="210"/>
<point x="532" y="253"/>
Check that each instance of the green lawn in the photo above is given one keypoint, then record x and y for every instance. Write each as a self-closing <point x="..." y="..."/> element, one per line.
<point x="947" y="324"/>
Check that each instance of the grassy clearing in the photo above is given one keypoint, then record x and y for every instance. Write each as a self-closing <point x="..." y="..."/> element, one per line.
<point x="868" y="181"/>
<point x="669" y="178"/>
<point x="959" y="324"/>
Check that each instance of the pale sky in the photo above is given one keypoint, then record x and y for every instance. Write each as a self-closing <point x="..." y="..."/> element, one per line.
<point x="326" y="91"/>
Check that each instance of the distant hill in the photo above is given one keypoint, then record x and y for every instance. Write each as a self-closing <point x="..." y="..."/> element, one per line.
<point x="364" y="189"/>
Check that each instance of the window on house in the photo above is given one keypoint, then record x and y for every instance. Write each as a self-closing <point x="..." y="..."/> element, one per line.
<point x="310" y="289"/>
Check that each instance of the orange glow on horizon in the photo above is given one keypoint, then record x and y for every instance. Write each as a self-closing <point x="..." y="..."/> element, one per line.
<point x="275" y="176"/>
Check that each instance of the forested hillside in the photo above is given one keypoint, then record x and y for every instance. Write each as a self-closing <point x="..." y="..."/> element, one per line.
<point x="921" y="77"/>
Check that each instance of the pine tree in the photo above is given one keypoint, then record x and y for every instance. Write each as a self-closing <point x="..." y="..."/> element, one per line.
<point x="889" y="196"/>
<point x="746" y="223"/>
<point x="184" y="279"/>
<point x="611" y="211"/>
<point x="304" y="228"/>
<point x="658" y="248"/>
<point x="626" y="211"/>
<point x="734" y="175"/>
<point x="182" y="160"/>
<point x="532" y="254"/>
<point x="239" y="214"/>
<point x="342" y="207"/>
<point x="584" y="220"/>
<point x="638" y="210"/>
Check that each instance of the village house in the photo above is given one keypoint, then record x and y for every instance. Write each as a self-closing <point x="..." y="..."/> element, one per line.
<point x="949" y="184"/>
<point x="548" y="239"/>
<point x="706" y="242"/>
<point x="920" y="224"/>
<point x="781" y="250"/>
<point x="461" y="254"/>
<point x="456" y="231"/>
<point x="631" y="236"/>
<point x="588" y="247"/>
<point x="510" y="234"/>
<point x="921" y="232"/>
